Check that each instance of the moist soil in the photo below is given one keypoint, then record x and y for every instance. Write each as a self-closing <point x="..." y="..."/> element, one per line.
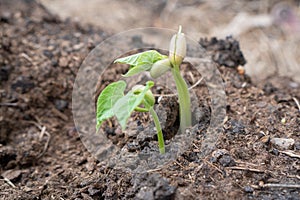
<point x="42" y="156"/>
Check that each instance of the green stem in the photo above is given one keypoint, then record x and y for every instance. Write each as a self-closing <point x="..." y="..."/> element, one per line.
<point x="160" y="136"/>
<point x="139" y="109"/>
<point x="184" y="100"/>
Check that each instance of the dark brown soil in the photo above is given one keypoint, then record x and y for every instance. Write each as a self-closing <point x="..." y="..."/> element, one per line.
<point x="42" y="156"/>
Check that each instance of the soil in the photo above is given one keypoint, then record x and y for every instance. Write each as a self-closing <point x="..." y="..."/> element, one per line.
<point x="42" y="156"/>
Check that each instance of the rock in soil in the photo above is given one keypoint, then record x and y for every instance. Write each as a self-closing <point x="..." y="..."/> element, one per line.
<point x="152" y="186"/>
<point x="248" y="189"/>
<point x="283" y="143"/>
<point x="223" y="157"/>
<point x="225" y="52"/>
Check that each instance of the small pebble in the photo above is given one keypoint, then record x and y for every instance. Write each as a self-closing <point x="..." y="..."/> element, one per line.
<point x="275" y="152"/>
<point x="60" y="104"/>
<point x="78" y="46"/>
<point x="248" y="189"/>
<point x="132" y="147"/>
<point x="63" y="62"/>
<point x="223" y="157"/>
<point x="294" y="85"/>
<point x="261" y="104"/>
<point x="92" y="191"/>
<point x="241" y="70"/>
<point x="226" y="161"/>
<point x="237" y="127"/>
<point x="283" y="143"/>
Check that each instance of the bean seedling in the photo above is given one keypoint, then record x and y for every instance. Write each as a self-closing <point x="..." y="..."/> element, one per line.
<point x="112" y="101"/>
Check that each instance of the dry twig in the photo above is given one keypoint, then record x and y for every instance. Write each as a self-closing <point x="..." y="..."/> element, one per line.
<point x="212" y="165"/>
<point x="297" y="103"/>
<point x="154" y="170"/>
<point x="24" y="55"/>
<point x="43" y="132"/>
<point x="293" y="176"/>
<point x="278" y="185"/>
<point x="9" y="182"/>
<point x="8" y="104"/>
<point x="245" y="163"/>
<point x="291" y="154"/>
<point x="59" y="114"/>
<point x="179" y="164"/>
<point x="246" y="169"/>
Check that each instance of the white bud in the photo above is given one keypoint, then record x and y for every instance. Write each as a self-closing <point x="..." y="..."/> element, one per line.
<point x="177" y="50"/>
<point x="160" y="67"/>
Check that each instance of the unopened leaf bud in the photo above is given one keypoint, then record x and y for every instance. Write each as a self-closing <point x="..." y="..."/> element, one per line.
<point x="149" y="97"/>
<point x="177" y="50"/>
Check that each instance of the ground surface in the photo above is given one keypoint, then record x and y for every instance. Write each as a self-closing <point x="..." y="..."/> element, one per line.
<point x="42" y="156"/>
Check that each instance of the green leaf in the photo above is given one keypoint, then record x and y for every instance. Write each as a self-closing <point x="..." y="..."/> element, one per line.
<point x="135" y="70"/>
<point x="141" y="61"/>
<point x="107" y="99"/>
<point x="126" y="105"/>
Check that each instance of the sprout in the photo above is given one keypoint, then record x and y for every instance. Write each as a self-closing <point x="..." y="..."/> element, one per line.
<point x="112" y="101"/>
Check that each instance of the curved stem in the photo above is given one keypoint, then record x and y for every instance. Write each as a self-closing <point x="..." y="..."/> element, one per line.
<point x="160" y="136"/>
<point x="184" y="100"/>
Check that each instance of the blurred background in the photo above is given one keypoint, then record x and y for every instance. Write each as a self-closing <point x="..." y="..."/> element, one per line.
<point x="268" y="31"/>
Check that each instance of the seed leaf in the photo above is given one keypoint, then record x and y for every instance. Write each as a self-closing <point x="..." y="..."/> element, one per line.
<point x="107" y="99"/>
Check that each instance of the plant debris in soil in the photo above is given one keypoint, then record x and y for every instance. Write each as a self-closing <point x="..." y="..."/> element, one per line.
<point x="42" y="157"/>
